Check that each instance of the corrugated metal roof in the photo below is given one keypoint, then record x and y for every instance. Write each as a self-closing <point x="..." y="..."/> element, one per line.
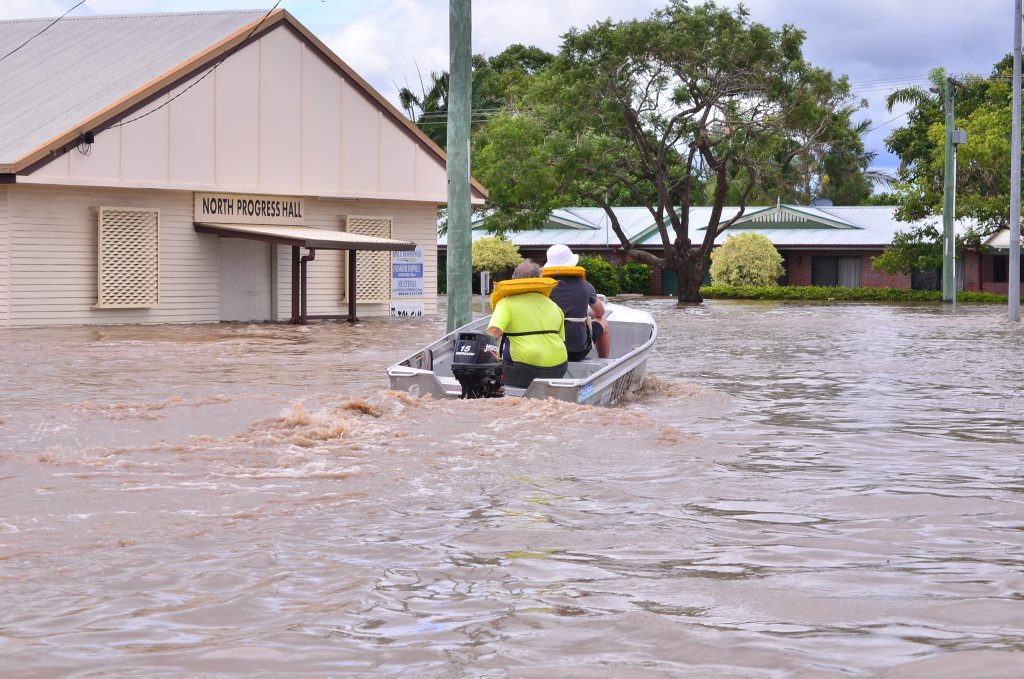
<point x="82" y="65"/>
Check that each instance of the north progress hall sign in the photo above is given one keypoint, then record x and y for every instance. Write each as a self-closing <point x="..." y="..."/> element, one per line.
<point x="236" y="208"/>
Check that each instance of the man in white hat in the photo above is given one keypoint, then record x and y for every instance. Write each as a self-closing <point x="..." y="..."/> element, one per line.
<point x="585" y="324"/>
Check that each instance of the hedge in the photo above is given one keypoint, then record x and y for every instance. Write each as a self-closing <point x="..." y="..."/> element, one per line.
<point x="814" y="292"/>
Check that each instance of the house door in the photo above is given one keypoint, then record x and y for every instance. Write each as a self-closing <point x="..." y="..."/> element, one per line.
<point x="245" y="280"/>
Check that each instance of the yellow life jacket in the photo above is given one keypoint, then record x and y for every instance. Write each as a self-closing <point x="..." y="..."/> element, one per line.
<point x="517" y="286"/>
<point x="572" y="271"/>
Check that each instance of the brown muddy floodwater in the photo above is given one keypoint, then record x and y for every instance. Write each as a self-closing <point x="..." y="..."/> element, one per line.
<point x="799" y="491"/>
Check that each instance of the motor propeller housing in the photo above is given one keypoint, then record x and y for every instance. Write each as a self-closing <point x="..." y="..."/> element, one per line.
<point x="476" y="364"/>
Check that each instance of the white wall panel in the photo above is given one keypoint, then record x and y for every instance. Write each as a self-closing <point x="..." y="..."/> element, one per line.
<point x="398" y="161"/>
<point x="321" y="126"/>
<point x="144" y="144"/>
<point x="103" y="160"/>
<point x="274" y="117"/>
<point x="280" y="112"/>
<point x="360" y="143"/>
<point x="192" y="136"/>
<point x="58" y="168"/>
<point x="431" y="176"/>
<point x="238" y="120"/>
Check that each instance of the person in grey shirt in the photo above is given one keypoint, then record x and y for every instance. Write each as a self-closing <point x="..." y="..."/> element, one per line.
<point x="585" y="324"/>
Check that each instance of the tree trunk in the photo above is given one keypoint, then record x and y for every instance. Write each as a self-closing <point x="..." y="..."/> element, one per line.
<point x="690" y="280"/>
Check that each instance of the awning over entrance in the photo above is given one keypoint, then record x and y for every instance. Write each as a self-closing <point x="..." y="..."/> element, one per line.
<point x="312" y="239"/>
<point x="304" y="237"/>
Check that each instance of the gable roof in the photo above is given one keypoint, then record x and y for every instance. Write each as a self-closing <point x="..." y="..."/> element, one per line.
<point x="791" y="217"/>
<point x="1000" y="240"/>
<point x="84" y="74"/>
<point x="83" y="65"/>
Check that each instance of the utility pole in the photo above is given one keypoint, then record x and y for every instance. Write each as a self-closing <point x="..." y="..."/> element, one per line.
<point x="954" y="137"/>
<point x="460" y="242"/>
<point x="1013" y="290"/>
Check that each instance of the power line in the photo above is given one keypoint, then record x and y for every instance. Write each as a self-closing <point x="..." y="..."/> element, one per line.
<point x="48" y="26"/>
<point x="203" y="77"/>
<point x="891" y="120"/>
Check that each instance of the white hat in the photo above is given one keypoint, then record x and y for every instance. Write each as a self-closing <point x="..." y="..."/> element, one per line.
<point x="561" y="255"/>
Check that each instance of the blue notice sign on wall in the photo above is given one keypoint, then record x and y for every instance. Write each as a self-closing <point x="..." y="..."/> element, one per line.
<point x="406" y="270"/>
<point x="407" y="273"/>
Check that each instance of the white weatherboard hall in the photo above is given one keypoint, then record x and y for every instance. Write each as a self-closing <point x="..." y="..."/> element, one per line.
<point x="204" y="167"/>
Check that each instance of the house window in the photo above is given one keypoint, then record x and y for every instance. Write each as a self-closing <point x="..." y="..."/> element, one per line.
<point x="373" y="267"/>
<point x="128" y="265"/>
<point x="1001" y="269"/>
<point x="926" y="280"/>
<point x="836" y="271"/>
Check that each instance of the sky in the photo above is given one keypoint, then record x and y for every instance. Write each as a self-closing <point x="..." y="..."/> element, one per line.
<point x="880" y="45"/>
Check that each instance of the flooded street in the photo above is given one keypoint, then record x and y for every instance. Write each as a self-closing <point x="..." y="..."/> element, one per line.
<point x="798" y="491"/>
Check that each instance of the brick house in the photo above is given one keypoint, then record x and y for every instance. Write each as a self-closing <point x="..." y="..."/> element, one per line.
<point x="820" y="245"/>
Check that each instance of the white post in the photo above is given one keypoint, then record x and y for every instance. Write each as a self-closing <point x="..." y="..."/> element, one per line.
<point x="485" y="290"/>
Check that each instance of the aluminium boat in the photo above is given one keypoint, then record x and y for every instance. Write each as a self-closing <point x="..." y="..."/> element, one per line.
<point x="593" y="381"/>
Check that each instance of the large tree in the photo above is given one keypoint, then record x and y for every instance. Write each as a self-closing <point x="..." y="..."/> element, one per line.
<point x="982" y="107"/>
<point x="690" y="106"/>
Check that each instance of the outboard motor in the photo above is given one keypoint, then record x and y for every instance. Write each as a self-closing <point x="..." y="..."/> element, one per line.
<point x="476" y="364"/>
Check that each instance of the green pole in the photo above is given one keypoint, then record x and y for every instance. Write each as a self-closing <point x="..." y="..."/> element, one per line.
<point x="948" y="239"/>
<point x="1013" y="289"/>
<point x="460" y="244"/>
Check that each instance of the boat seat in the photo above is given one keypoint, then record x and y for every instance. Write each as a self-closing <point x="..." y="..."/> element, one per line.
<point x="578" y="369"/>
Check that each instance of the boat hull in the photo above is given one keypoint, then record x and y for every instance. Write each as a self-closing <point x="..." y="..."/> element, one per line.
<point x="594" y="381"/>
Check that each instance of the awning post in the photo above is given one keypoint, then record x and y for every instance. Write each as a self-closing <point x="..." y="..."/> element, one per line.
<point x="295" y="286"/>
<point x="352" y="286"/>
<point x="303" y="285"/>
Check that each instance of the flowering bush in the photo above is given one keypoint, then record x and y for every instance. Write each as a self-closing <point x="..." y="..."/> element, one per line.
<point x="495" y="254"/>
<point x="746" y="259"/>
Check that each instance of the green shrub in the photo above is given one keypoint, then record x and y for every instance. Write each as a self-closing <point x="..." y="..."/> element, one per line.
<point x="601" y="275"/>
<point x="746" y="259"/>
<point x="495" y="254"/>
<point x="635" y="277"/>
<point x="818" y="293"/>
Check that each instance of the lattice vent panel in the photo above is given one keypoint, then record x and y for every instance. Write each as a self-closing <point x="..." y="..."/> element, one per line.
<point x="129" y="258"/>
<point x="373" y="268"/>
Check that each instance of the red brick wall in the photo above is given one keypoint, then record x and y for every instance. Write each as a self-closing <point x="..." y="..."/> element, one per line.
<point x="798" y="269"/>
<point x="986" y="276"/>
<point x="870" y="278"/>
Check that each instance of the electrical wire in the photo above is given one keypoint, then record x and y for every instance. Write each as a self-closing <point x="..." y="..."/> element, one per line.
<point x="891" y="120"/>
<point x="201" y="78"/>
<point x="48" y="27"/>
